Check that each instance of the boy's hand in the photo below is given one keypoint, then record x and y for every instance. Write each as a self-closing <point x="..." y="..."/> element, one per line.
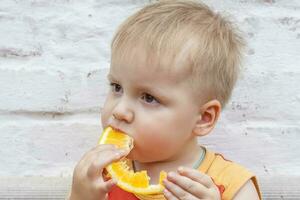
<point x="88" y="181"/>
<point x="190" y="184"/>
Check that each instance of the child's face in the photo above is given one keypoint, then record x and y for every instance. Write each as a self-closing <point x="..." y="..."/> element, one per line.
<point x="155" y="107"/>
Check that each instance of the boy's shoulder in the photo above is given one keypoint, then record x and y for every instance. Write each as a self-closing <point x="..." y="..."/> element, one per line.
<point x="227" y="175"/>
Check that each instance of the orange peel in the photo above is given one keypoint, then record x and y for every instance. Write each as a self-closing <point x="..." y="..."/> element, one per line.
<point x="127" y="179"/>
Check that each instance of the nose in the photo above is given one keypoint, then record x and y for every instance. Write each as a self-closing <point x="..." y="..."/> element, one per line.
<point x="123" y="112"/>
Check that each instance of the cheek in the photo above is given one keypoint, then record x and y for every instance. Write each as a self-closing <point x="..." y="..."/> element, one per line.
<point x="162" y="132"/>
<point x="152" y="146"/>
<point x="151" y="137"/>
<point x="105" y="113"/>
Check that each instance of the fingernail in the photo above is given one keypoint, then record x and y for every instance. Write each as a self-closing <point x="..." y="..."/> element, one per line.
<point x="171" y="174"/>
<point x="123" y="151"/>
<point x="166" y="192"/>
<point x="118" y="155"/>
<point x="165" y="182"/>
<point x="181" y="169"/>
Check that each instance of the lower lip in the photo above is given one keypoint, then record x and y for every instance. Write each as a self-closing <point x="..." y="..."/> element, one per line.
<point x="116" y="129"/>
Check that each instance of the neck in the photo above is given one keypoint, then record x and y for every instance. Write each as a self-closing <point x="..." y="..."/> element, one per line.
<point x="187" y="157"/>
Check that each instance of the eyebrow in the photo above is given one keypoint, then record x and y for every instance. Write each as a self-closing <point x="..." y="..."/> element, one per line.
<point x="110" y="77"/>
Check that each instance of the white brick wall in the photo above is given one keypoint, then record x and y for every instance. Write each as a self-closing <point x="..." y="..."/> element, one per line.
<point x="54" y="56"/>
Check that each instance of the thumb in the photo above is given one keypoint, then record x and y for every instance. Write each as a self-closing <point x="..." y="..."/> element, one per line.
<point x="109" y="184"/>
<point x="106" y="197"/>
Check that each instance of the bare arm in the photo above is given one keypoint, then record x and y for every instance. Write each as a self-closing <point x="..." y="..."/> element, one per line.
<point x="68" y="196"/>
<point x="247" y="192"/>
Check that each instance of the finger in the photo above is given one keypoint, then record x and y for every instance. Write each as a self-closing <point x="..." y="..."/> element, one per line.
<point x="178" y="192"/>
<point x="106" y="197"/>
<point x="96" y="157"/>
<point x="101" y="160"/>
<point x="107" y="147"/>
<point x="108" y="185"/>
<point x="169" y="195"/>
<point x="187" y="184"/>
<point x="196" y="175"/>
<point x="100" y="153"/>
<point x="87" y="156"/>
<point x="105" y="187"/>
<point x="100" y="148"/>
<point x="92" y="155"/>
<point x="84" y="163"/>
<point x="104" y="146"/>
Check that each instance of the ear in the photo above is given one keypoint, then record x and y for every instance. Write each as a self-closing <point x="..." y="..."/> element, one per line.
<point x="207" y="118"/>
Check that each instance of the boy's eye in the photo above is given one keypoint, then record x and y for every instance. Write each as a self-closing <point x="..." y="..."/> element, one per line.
<point x="116" y="87"/>
<point x="149" y="98"/>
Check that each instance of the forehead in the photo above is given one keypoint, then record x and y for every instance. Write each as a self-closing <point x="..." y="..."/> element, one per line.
<point x="144" y="63"/>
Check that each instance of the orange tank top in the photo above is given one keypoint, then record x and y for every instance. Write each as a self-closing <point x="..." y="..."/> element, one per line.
<point x="227" y="175"/>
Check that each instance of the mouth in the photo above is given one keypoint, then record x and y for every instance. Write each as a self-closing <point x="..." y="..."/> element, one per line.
<point x="117" y="129"/>
<point x="124" y="132"/>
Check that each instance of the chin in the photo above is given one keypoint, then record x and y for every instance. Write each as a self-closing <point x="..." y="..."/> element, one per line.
<point x="133" y="156"/>
<point x="130" y="157"/>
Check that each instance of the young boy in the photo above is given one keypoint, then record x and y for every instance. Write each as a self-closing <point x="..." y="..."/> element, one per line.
<point x="173" y="67"/>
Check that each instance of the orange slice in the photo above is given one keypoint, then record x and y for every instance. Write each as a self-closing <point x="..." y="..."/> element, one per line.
<point x="128" y="180"/>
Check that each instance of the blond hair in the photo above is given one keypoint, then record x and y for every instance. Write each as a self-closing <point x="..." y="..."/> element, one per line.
<point x="211" y="45"/>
